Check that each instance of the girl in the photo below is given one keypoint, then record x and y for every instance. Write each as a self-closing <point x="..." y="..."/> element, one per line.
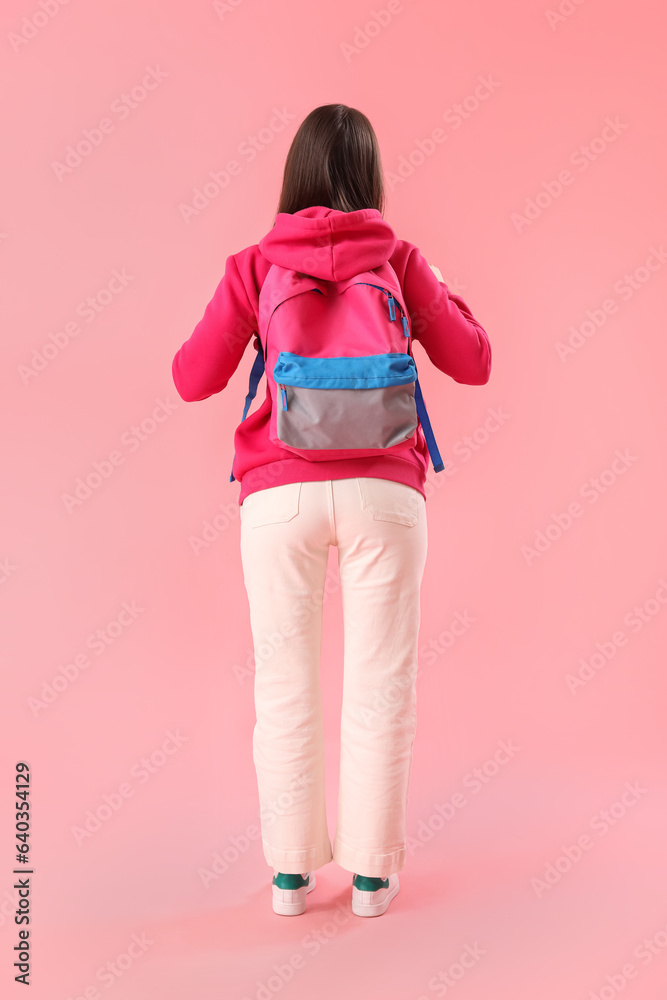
<point x="292" y="509"/>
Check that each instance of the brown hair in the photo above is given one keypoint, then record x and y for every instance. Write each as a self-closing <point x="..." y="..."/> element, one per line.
<point x="334" y="160"/>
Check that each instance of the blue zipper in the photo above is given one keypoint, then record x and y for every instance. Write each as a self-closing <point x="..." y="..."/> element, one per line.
<point x="391" y="302"/>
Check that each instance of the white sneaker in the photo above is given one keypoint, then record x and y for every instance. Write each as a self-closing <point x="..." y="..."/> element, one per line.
<point x="370" y="899"/>
<point x="290" y="891"/>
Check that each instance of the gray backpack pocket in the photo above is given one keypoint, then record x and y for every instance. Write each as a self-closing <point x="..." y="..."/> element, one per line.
<point x="345" y="402"/>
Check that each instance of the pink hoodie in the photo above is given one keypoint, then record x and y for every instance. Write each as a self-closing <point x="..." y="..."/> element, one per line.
<point x="332" y="245"/>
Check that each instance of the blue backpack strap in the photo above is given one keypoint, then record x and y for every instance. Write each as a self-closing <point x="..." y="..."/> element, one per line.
<point x="255" y="375"/>
<point x="438" y="465"/>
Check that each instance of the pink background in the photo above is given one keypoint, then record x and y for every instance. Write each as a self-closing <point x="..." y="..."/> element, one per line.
<point x="470" y="881"/>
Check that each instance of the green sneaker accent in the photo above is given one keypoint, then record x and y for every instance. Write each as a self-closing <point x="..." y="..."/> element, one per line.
<point x="365" y="883"/>
<point x="287" y="881"/>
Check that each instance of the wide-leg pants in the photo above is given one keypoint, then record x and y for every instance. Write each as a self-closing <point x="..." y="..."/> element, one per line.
<point x="379" y="528"/>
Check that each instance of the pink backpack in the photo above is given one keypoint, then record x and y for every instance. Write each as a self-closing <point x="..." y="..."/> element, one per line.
<point x="340" y="372"/>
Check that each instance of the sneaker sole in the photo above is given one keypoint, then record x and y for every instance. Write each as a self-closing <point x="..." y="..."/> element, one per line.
<point x="291" y="902"/>
<point x="367" y="904"/>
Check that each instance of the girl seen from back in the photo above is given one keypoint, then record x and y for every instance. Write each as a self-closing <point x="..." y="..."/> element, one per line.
<point x="363" y="493"/>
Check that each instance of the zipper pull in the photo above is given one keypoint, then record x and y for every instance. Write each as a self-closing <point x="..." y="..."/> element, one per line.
<point x="406" y="328"/>
<point x="283" y="393"/>
<point x="392" y="311"/>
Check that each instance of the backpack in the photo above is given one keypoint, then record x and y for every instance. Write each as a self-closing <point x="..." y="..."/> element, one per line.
<point x="339" y="367"/>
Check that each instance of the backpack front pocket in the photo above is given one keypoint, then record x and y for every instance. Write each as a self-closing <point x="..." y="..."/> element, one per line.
<point x="360" y="402"/>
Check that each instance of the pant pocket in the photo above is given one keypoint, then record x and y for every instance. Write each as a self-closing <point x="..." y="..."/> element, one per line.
<point x="271" y="505"/>
<point x="386" y="500"/>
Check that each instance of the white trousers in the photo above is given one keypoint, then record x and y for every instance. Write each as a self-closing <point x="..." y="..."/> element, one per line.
<point x="379" y="529"/>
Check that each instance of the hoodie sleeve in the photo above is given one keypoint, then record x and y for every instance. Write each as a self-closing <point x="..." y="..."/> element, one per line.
<point x="206" y="361"/>
<point x="444" y="325"/>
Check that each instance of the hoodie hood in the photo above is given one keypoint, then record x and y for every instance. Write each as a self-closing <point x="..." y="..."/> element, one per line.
<point x="329" y="244"/>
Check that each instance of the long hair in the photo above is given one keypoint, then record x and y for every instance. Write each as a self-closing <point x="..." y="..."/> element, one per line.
<point x="334" y="161"/>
